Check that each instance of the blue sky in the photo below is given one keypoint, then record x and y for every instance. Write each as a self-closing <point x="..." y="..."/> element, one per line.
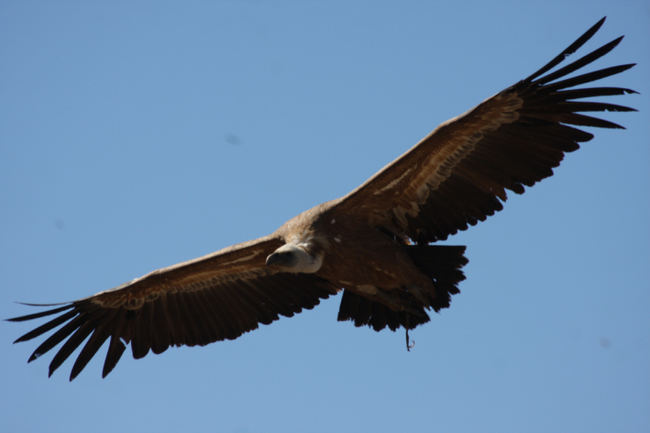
<point x="134" y="135"/>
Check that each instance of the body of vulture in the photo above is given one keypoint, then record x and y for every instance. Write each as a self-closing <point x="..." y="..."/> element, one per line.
<point x="375" y="244"/>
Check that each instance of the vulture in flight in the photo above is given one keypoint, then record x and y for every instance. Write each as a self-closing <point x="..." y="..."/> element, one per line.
<point x="376" y="244"/>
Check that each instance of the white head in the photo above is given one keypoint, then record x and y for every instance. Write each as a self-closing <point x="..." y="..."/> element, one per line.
<point x="295" y="258"/>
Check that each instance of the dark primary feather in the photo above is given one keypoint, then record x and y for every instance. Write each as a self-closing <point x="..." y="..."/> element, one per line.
<point x="583" y="61"/>
<point x="568" y="50"/>
<point x="40" y="314"/>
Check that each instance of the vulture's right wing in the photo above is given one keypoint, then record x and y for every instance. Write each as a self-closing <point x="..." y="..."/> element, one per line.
<point x="215" y="297"/>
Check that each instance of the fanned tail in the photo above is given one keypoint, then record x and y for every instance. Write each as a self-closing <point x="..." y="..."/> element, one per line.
<point x="442" y="263"/>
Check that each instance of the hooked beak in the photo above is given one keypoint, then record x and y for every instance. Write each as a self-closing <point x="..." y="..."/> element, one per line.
<point x="281" y="258"/>
<point x="273" y="259"/>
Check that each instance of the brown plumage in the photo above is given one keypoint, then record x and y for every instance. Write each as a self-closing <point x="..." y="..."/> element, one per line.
<point x="374" y="243"/>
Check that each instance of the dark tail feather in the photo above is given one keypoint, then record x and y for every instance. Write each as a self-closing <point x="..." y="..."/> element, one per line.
<point x="441" y="262"/>
<point x="363" y="311"/>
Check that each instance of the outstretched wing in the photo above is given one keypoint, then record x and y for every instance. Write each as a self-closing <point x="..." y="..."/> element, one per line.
<point x="459" y="173"/>
<point x="216" y="297"/>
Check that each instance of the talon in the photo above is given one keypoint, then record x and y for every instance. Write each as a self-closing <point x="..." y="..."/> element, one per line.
<point x="409" y="345"/>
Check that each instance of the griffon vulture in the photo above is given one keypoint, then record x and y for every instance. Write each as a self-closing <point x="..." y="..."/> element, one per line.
<point x="374" y="244"/>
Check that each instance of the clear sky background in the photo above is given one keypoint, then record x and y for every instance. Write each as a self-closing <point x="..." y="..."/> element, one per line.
<point x="137" y="134"/>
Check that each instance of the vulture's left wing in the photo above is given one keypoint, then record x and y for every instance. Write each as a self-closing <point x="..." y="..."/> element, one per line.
<point x="216" y="297"/>
<point x="458" y="174"/>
